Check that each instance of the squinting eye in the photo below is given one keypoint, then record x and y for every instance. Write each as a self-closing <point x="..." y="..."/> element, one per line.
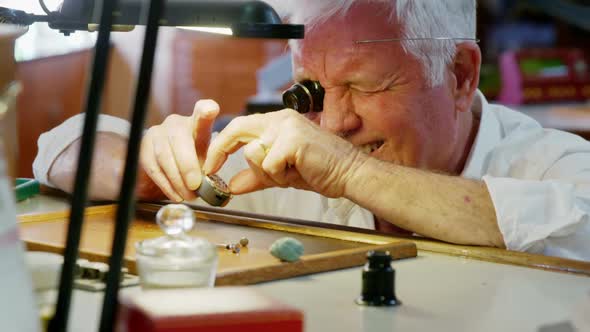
<point x="364" y="93"/>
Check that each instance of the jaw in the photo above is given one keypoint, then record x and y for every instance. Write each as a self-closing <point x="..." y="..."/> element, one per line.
<point x="372" y="147"/>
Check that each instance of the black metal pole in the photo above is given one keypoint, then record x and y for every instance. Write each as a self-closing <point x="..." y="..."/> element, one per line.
<point x="126" y="207"/>
<point x="79" y="197"/>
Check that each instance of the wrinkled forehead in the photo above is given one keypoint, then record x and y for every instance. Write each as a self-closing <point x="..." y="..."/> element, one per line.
<point x="339" y="33"/>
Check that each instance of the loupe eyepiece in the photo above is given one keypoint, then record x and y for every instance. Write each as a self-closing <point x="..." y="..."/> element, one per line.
<point x="306" y="96"/>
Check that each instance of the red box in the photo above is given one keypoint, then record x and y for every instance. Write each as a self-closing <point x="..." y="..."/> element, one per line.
<point x="553" y="75"/>
<point x="231" y="309"/>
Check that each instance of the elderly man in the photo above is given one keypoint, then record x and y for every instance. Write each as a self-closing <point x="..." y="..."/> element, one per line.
<point x="404" y="138"/>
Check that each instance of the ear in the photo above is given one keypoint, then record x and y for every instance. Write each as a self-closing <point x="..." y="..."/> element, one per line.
<point x="465" y="71"/>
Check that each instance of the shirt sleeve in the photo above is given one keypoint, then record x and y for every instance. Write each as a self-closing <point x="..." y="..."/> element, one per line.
<point x="52" y="143"/>
<point x="551" y="216"/>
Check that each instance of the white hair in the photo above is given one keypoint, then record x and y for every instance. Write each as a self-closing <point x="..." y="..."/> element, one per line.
<point x="420" y="19"/>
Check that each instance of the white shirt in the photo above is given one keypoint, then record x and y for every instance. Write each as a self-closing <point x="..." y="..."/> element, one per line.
<point x="538" y="179"/>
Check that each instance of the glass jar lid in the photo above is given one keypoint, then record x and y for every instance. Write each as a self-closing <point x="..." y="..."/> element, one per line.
<point x="176" y="220"/>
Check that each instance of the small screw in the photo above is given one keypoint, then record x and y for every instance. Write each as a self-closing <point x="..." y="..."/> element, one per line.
<point x="235" y="248"/>
<point x="244" y="241"/>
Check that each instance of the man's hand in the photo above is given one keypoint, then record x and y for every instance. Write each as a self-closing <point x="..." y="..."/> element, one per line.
<point x="172" y="153"/>
<point x="284" y="149"/>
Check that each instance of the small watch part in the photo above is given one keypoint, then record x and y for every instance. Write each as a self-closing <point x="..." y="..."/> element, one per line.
<point x="234" y="247"/>
<point x="80" y="267"/>
<point x="214" y="190"/>
<point x="93" y="270"/>
<point x="244" y="241"/>
<point x="91" y="276"/>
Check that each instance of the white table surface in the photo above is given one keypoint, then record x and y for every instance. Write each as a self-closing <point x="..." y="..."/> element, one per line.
<point x="438" y="292"/>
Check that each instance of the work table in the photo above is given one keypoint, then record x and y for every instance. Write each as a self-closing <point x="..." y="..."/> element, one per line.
<point x="438" y="293"/>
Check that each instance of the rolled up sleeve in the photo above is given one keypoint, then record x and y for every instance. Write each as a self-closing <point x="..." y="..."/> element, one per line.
<point x="550" y="217"/>
<point x="52" y="143"/>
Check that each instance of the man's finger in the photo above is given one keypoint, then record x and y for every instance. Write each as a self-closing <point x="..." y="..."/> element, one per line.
<point x="246" y="181"/>
<point x="153" y="170"/>
<point x="279" y="159"/>
<point x="240" y="131"/>
<point x="183" y="149"/>
<point x="166" y="161"/>
<point x="204" y="115"/>
<point x="254" y="155"/>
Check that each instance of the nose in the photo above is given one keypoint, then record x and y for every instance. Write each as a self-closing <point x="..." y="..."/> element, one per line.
<point x="338" y="115"/>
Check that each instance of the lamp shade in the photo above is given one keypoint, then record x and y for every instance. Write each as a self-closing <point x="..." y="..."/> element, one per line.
<point x="251" y="19"/>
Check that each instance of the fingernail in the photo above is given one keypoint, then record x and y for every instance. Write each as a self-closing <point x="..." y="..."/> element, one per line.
<point x="203" y="113"/>
<point x="193" y="180"/>
<point x="207" y="167"/>
<point x="206" y="112"/>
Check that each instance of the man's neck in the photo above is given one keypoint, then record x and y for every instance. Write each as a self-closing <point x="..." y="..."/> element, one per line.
<point x="470" y="123"/>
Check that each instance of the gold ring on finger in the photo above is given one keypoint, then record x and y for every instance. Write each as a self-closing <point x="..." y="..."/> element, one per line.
<point x="264" y="147"/>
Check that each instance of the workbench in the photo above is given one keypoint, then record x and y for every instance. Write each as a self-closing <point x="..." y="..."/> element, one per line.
<point x="438" y="292"/>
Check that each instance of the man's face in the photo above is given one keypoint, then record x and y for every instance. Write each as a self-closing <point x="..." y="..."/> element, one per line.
<point x="377" y="96"/>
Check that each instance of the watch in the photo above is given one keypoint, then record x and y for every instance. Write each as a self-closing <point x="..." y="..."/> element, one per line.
<point x="214" y="190"/>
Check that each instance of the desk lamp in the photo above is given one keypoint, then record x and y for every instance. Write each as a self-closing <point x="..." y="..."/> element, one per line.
<point x="240" y="18"/>
<point x="253" y="19"/>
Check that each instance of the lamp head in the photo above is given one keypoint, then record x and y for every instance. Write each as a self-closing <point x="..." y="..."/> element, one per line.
<point x="248" y="19"/>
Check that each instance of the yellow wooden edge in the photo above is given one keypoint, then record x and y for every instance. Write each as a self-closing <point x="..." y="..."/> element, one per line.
<point x="53" y="216"/>
<point x="291" y="228"/>
<point x="503" y="256"/>
<point x="494" y="255"/>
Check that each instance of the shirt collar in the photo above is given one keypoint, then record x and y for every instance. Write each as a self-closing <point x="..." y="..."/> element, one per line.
<point x="488" y="135"/>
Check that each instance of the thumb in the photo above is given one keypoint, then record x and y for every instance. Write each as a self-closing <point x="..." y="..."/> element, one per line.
<point x="204" y="115"/>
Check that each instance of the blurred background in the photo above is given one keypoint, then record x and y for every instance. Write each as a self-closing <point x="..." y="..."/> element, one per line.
<point x="536" y="59"/>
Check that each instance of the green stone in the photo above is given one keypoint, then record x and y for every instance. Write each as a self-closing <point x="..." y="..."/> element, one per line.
<point x="287" y="249"/>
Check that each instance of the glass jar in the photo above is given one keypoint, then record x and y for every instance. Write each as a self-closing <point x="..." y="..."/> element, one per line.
<point x="176" y="260"/>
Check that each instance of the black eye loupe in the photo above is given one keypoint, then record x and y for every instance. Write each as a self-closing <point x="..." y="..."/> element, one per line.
<point x="306" y="96"/>
<point x="378" y="281"/>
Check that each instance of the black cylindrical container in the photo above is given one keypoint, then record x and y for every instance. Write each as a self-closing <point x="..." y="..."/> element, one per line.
<point x="378" y="281"/>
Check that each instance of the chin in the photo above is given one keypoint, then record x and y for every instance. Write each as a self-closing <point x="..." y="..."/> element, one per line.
<point x="395" y="159"/>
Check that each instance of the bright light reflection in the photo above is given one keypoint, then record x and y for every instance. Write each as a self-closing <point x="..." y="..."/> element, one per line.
<point x="223" y="31"/>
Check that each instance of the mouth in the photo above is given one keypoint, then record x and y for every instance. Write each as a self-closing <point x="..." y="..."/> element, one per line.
<point x="369" y="148"/>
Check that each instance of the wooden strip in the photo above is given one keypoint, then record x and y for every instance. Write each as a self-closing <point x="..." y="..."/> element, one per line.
<point x="308" y="264"/>
<point x="311" y="264"/>
<point x="92" y="256"/>
<point x="107" y="210"/>
<point x="494" y="255"/>
<point x="254" y="264"/>
<point x="338" y="232"/>
<point x="502" y="256"/>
